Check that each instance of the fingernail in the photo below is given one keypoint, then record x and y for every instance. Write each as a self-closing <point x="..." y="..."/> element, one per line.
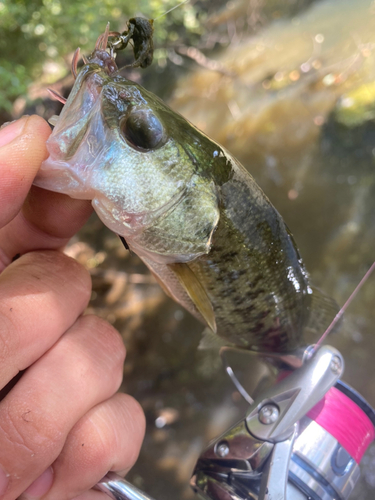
<point x="4" y="481"/>
<point x="40" y="486"/>
<point x="5" y="124"/>
<point x="10" y="131"/>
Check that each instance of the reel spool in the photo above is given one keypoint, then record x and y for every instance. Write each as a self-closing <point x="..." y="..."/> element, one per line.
<point x="331" y="442"/>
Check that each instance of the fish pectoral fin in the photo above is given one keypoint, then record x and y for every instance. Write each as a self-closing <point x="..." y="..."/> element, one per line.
<point x="211" y="342"/>
<point x="322" y="309"/>
<point x="196" y="292"/>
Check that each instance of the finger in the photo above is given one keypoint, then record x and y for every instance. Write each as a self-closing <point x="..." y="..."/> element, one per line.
<point x="81" y="370"/>
<point x="41" y="296"/>
<point x="47" y="219"/>
<point x="108" y="437"/>
<point x="22" y="150"/>
<point x="92" y="495"/>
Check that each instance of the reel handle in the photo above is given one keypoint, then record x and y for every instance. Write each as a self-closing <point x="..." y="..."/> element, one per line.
<point x="117" y="488"/>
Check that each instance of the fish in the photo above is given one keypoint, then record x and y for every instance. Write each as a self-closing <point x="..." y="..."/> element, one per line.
<point x="186" y="207"/>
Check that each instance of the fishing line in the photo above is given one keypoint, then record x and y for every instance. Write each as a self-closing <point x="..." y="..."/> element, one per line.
<point x="170" y="10"/>
<point x="345" y="306"/>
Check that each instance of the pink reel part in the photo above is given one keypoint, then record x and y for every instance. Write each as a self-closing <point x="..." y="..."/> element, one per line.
<point x="333" y="438"/>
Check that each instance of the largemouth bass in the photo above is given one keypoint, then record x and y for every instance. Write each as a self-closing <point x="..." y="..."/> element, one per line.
<point x="186" y="207"/>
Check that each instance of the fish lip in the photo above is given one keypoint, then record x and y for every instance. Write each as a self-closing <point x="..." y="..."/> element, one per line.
<point x="68" y="182"/>
<point x="89" y="81"/>
<point x="60" y="172"/>
<point x="74" y="118"/>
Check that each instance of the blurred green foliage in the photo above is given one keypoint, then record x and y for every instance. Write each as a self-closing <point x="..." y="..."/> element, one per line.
<point x="38" y="37"/>
<point x="33" y="32"/>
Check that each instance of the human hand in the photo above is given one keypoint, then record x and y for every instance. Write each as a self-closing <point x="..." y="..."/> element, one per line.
<point x="62" y="427"/>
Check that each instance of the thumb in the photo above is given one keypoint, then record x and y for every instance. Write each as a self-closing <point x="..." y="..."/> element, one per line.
<point x="22" y="150"/>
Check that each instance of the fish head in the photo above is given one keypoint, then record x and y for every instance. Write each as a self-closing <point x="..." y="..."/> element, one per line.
<point x="141" y="164"/>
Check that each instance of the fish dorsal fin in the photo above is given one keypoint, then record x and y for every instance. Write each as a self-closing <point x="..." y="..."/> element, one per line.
<point x="196" y="292"/>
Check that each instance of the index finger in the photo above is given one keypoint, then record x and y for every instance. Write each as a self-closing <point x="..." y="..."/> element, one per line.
<point x="47" y="220"/>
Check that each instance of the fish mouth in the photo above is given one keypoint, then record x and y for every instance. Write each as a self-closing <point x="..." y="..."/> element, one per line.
<point x="58" y="176"/>
<point x="75" y="115"/>
<point x="61" y="172"/>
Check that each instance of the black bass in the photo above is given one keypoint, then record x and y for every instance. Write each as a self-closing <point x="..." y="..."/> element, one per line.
<point x="190" y="210"/>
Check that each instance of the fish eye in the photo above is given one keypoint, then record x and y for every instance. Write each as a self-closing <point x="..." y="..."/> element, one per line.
<point x="142" y="129"/>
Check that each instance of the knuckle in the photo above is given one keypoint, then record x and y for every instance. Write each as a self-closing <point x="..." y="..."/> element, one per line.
<point x="26" y="432"/>
<point x="107" y="337"/>
<point x="100" y="349"/>
<point x="53" y="269"/>
<point x="136" y="413"/>
<point x="136" y="417"/>
<point x="134" y="420"/>
<point x="116" y="432"/>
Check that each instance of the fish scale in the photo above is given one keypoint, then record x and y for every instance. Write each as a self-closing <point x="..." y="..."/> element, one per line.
<point x="253" y="297"/>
